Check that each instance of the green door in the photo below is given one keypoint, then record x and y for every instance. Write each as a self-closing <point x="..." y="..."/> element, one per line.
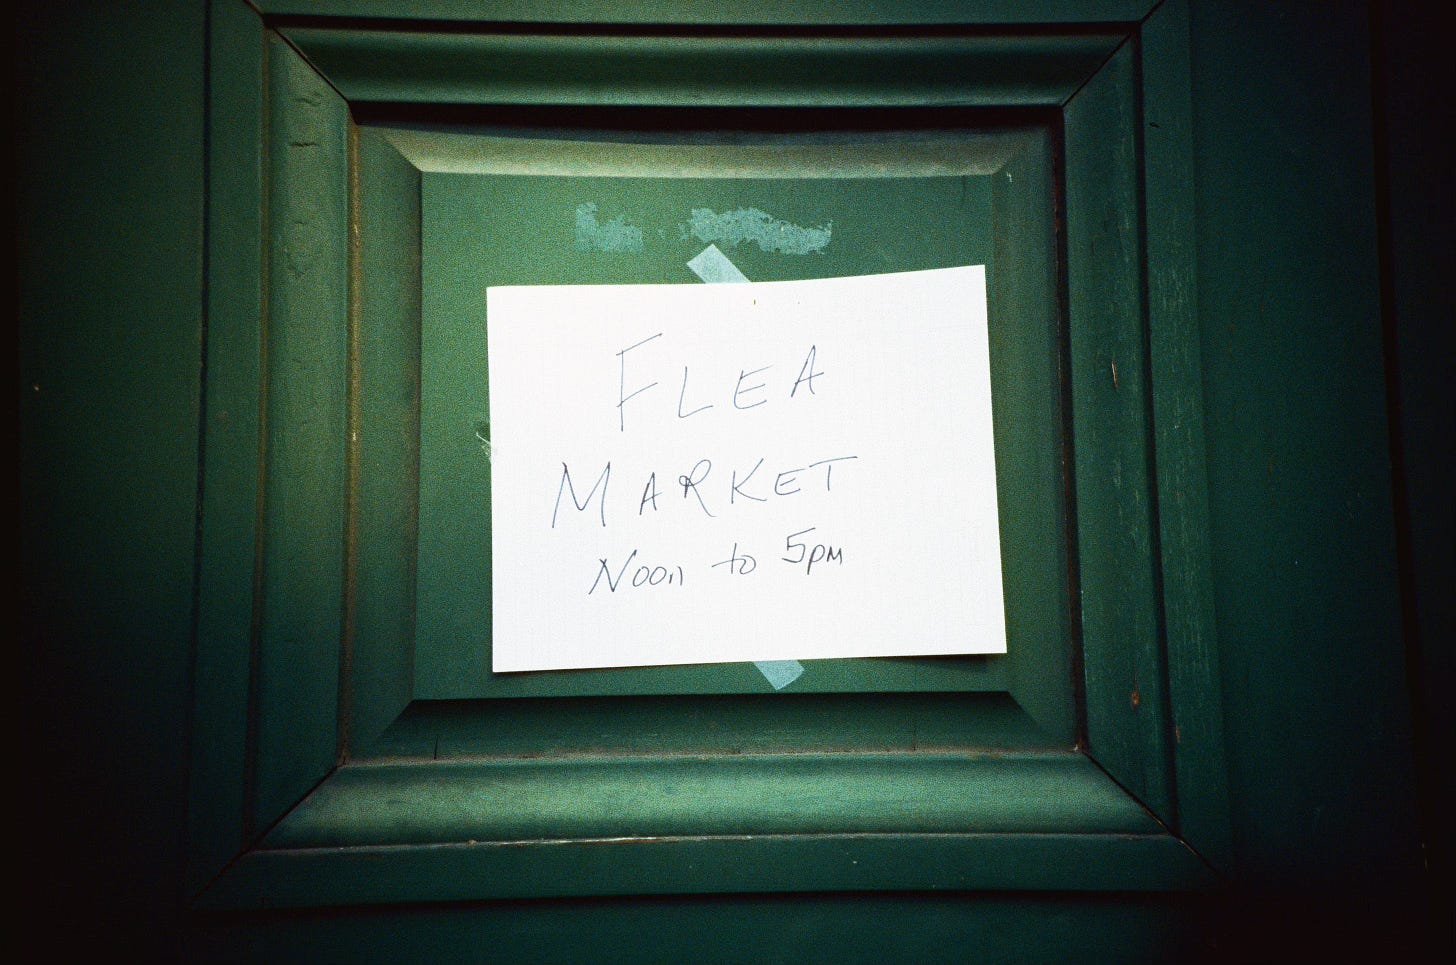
<point x="268" y="556"/>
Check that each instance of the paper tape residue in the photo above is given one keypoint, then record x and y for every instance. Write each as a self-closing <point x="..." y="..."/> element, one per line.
<point x="616" y="235"/>
<point x="759" y="227"/>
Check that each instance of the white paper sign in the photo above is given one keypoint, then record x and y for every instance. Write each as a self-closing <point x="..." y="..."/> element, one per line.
<point x="764" y="471"/>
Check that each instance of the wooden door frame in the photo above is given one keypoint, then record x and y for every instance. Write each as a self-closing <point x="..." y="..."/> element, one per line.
<point x="300" y="530"/>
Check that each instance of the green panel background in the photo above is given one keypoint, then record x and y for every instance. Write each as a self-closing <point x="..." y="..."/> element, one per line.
<point x="484" y="230"/>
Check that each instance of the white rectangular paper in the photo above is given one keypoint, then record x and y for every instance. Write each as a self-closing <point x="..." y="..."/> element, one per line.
<point x="762" y="471"/>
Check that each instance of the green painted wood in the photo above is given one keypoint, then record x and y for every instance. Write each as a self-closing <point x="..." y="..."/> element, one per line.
<point x="1027" y="336"/>
<point x="856" y="13"/>
<point x="952" y="143"/>
<point x="110" y="102"/>
<point x="300" y="591"/>
<point x="230" y="441"/>
<point x="752" y="864"/>
<point x="109" y="188"/>
<point x="854" y="928"/>
<point x="1305" y="593"/>
<point x="1122" y="654"/>
<point x="579" y="796"/>
<point x="385" y="435"/>
<point x="716" y="724"/>
<point x="1194" y="685"/>
<point x="1033" y="69"/>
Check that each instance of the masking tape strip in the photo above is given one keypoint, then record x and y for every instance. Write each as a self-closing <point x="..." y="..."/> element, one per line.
<point x="713" y="267"/>
<point x="780" y="673"/>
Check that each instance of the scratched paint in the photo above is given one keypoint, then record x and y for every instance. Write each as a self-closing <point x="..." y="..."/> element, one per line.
<point x="758" y="227"/>
<point x="617" y="235"/>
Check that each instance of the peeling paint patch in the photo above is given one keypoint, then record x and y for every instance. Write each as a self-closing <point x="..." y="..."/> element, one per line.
<point x="614" y="235"/>
<point x="759" y="227"/>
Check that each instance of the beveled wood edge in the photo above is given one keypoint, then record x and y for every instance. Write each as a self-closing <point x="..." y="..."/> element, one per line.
<point x="473" y="871"/>
<point x="635" y="795"/>
<point x="1195" y="687"/>
<point x="1124" y="661"/>
<point x="228" y="510"/>
<point x="244" y="771"/>
<point x="697" y="70"/>
<point x="745" y="13"/>
<point x="940" y="154"/>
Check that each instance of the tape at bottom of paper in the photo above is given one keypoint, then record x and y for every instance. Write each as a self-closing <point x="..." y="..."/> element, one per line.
<point x="780" y="673"/>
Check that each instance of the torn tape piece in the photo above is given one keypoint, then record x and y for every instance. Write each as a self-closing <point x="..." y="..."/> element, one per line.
<point x="780" y="673"/>
<point x="713" y="267"/>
